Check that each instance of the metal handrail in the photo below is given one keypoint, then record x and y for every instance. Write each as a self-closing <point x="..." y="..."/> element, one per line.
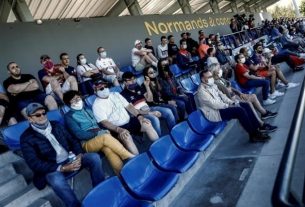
<point x="282" y="196"/>
<point x="241" y="31"/>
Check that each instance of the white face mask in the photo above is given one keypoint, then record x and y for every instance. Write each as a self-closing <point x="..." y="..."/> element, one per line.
<point x="211" y="81"/>
<point x="78" y="105"/>
<point x="83" y="61"/>
<point x="220" y="73"/>
<point x="249" y="53"/>
<point x="243" y="60"/>
<point x="103" y="54"/>
<point x="104" y="93"/>
<point x="184" y="46"/>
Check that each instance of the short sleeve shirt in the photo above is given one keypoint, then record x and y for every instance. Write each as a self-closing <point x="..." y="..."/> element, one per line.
<point x="240" y="71"/>
<point x="111" y="109"/>
<point x="135" y="59"/>
<point x="105" y="63"/>
<point x="136" y="98"/>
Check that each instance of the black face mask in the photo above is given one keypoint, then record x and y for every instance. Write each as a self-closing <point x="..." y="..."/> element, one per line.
<point x="259" y="51"/>
<point x="153" y="79"/>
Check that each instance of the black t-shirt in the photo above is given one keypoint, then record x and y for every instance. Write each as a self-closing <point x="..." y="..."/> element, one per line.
<point x="172" y="49"/>
<point x="14" y="98"/>
<point x="134" y="97"/>
<point x="151" y="48"/>
<point x="71" y="70"/>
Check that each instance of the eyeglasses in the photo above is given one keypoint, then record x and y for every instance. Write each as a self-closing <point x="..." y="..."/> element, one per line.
<point x="39" y="115"/>
<point x="152" y="72"/>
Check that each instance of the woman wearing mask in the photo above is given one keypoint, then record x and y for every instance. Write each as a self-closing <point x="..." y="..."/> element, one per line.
<point x="156" y="96"/>
<point x="225" y="87"/>
<point x="85" y="72"/>
<point x="171" y="88"/>
<point x="184" y="57"/>
<point x="83" y="126"/>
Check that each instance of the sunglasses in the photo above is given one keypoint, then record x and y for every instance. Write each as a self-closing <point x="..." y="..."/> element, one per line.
<point x="39" y="115"/>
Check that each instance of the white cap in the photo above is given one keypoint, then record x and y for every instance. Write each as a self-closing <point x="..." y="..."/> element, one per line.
<point x="137" y="42"/>
<point x="266" y="50"/>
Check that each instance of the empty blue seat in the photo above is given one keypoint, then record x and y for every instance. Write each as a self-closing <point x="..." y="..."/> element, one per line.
<point x="116" y="89"/>
<point x="175" y="70"/>
<point x="169" y="157"/>
<point x="90" y="100"/>
<point x="112" y="193"/>
<point x="235" y="85"/>
<point x="188" y="140"/>
<point x="12" y="133"/>
<point x="128" y="68"/>
<point x="201" y="125"/>
<point x="196" y="79"/>
<point x="188" y="85"/>
<point x="145" y="180"/>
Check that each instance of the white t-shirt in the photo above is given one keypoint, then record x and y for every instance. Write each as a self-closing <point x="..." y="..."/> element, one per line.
<point x="105" y="63"/>
<point x="111" y="109"/>
<point x="81" y="69"/>
<point x="212" y="60"/>
<point x="162" y="51"/>
<point x="135" y="58"/>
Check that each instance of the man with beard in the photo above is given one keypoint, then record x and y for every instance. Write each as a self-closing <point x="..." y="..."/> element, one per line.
<point x="23" y="89"/>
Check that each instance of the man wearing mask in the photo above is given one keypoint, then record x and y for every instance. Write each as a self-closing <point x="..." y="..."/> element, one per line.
<point x="222" y="56"/>
<point x="107" y="66"/>
<point x="247" y="80"/>
<point x="46" y="147"/>
<point x="111" y="109"/>
<point x="218" y="107"/>
<point x="135" y="95"/>
<point x="23" y="89"/>
<point x="55" y="79"/>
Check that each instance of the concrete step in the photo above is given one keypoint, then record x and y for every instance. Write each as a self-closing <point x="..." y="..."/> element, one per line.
<point x="40" y="203"/>
<point x="12" y="186"/>
<point x="9" y="157"/>
<point x="6" y="173"/>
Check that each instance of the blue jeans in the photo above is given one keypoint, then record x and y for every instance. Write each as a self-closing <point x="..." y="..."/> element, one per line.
<point x="58" y="180"/>
<point x="166" y="114"/>
<point x="259" y="83"/>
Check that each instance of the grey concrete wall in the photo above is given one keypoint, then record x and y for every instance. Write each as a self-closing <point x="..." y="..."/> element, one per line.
<point x="25" y="42"/>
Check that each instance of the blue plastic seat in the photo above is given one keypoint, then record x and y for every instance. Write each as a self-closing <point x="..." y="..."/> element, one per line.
<point x="116" y="89"/>
<point x="189" y="140"/>
<point x="175" y="70"/>
<point x="145" y="180"/>
<point x="235" y="85"/>
<point x="201" y="125"/>
<point x="90" y="100"/>
<point x="128" y="68"/>
<point x="196" y="79"/>
<point x="112" y="193"/>
<point x="188" y="85"/>
<point x="169" y="157"/>
<point x="12" y="133"/>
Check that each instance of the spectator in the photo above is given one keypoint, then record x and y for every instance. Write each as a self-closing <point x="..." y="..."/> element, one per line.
<point x="203" y="48"/>
<point x="172" y="49"/>
<point x="55" y="79"/>
<point x="247" y="80"/>
<point x="65" y="62"/>
<point x="142" y="57"/>
<point x="157" y="97"/>
<point x="225" y="87"/>
<point x="111" y="111"/>
<point x="85" y="73"/>
<point x="162" y="49"/>
<point x="6" y="112"/>
<point x="184" y="57"/>
<point x="211" y="56"/>
<point x="106" y="65"/>
<point x="81" y="123"/>
<point x="171" y="88"/>
<point x="222" y="56"/>
<point x="23" y="89"/>
<point x="135" y="95"/>
<point x="217" y="107"/>
<point x="149" y="45"/>
<point x="192" y="45"/>
<point x="45" y="147"/>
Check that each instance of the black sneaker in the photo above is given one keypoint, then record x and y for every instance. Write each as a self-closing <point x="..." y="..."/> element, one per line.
<point x="298" y="68"/>
<point x="267" y="128"/>
<point x="259" y="137"/>
<point x="268" y="115"/>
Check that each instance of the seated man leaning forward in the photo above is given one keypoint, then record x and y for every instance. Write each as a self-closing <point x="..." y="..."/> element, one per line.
<point x="111" y="111"/>
<point x="217" y="107"/>
<point x="46" y="147"/>
<point x="83" y="126"/>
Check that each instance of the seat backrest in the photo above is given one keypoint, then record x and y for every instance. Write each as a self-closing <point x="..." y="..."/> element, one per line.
<point x="128" y="68"/>
<point x="181" y="133"/>
<point x="162" y="149"/>
<point x="90" y="100"/>
<point x="115" y="89"/>
<point x="235" y="85"/>
<point x="111" y="193"/>
<point x="197" y="121"/>
<point x="12" y="134"/>
<point x="175" y="69"/>
<point x="55" y="115"/>
<point x="188" y="84"/>
<point x="195" y="78"/>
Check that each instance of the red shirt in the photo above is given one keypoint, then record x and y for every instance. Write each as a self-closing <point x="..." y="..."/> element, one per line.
<point x="240" y="70"/>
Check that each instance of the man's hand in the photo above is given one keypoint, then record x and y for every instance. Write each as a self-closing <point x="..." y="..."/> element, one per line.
<point x="73" y="166"/>
<point x="123" y="133"/>
<point x="155" y="113"/>
<point x="172" y="102"/>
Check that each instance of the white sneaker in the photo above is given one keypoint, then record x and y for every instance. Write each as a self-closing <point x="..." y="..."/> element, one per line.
<point x="292" y="85"/>
<point x="302" y="55"/>
<point x="268" y="102"/>
<point x="280" y="85"/>
<point x="276" y="94"/>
